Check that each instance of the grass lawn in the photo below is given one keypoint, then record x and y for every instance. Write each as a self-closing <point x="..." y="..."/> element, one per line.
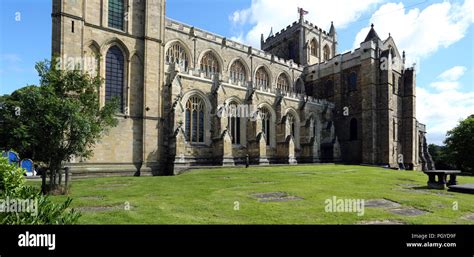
<point x="210" y="196"/>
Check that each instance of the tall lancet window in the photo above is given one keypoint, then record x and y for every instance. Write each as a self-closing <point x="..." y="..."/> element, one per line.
<point x="114" y="76"/>
<point x="194" y="123"/>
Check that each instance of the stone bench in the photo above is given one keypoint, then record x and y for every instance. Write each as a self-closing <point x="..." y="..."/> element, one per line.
<point x="442" y="178"/>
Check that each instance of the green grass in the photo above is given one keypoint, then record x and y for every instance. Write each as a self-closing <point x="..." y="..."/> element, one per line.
<point x="209" y="196"/>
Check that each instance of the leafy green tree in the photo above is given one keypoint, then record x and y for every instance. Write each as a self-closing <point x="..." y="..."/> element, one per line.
<point x="440" y="157"/>
<point x="58" y="119"/>
<point x="460" y="145"/>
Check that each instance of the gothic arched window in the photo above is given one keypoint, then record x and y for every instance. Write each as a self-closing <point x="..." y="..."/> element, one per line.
<point x="261" y="78"/>
<point x="266" y="123"/>
<point x="209" y="65"/>
<point x="283" y="84"/>
<point x="313" y="46"/>
<point x="237" y="72"/>
<point x="116" y="14"/>
<point x="234" y="124"/>
<point x="353" y="129"/>
<point x="177" y="55"/>
<point x="299" y="87"/>
<point x="194" y="120"/>
<point x="114" y="76"/>
<point x="352" y="81"/>
<point x="326" y="53"/>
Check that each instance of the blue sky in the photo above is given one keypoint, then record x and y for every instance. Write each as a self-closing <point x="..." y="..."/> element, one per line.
<point x="438" y="35"/>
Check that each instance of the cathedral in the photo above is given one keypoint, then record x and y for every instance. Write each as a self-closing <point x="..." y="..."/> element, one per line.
<point x="189" y="97"/>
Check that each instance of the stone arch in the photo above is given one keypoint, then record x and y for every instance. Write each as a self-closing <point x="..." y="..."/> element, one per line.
<point x="272" y="139"/>
<point x="185" y="47"/>
<point x="297" y="125"/>
<point x="216" y="54"/>
<point x="242" y="114"/>
<point x="207" y="112"/>
<point x="314" y="47"/>
<point x="114" y="41"/>
<point x="288" y="78"/>
<point x="299" y="87"/>
<point x="244" y="63"/>
<point x="91" y="61"/>
<point x="267" y="70"/>
<point x="326" y="52"/>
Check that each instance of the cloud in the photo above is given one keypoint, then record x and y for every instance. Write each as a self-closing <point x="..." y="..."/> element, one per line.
<point x="262" y="15"/>
<point x="421" y="32"/>
<point x="443" y="109"/>
<point x="453" y="74"/>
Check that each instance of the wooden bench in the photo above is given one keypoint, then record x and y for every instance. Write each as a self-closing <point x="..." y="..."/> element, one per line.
<point x="442" y="178"/>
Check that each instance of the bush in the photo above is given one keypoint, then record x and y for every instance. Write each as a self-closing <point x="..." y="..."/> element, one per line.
<point x="12" y="186"/>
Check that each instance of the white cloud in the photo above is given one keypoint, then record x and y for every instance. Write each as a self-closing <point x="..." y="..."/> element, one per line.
<point x="441" y="110"/>
<point x="262" y="15"/>
<point x="421" y="32"/>
<point x="453" y="74"/>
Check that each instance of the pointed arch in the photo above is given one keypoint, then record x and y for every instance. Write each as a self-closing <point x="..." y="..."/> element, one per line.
<point x="326" y="52"/>
<point x="292" y="125"/>
<point x="268" y="119"/>
<point x="196" y="117"/>
<point x="262" y="77"/>
<point x="284" y="83"/>
<point x="299" y="86"/>
<point x="210" y="62"/>
<point x="314" y="47"/>
<point x="178" y="53"/>
<point x="238" y="71"/>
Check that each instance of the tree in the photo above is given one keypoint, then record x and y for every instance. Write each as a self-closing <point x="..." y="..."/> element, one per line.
<point x="58" y="119"/>
<point x="440" y="157"/>
<point x="460" y="145"/>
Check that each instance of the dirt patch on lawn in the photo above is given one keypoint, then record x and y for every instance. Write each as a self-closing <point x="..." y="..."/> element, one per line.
<point x="275" y="197"/>
<point x="381" y="203"/>
<point x="98" y="208"/>
<point x="381" y="222"/>
<point x="408" y="211"/>
<point x="92" y="197"/>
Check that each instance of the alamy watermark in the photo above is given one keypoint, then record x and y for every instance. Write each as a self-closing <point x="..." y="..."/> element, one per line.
<point x="335" y="204"/>
<point x="238" y="111"/>
<point x="13" y="205"/>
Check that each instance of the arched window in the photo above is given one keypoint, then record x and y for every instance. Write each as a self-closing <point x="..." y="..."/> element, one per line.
<point x="116" y="14"/>
<point x="266" y="123"/>
<point x="177" y="55"/>
<point x="329" y="88"/>
<point x="299" y="86"/>
<point x="312" y="128"/>
<point x="352" y="81"/>
<point x="209" y="65"/>
<point x="283" y="84"/>
<point x="261" y="78"/>
<point x="234" y="124"/>
<point x="314" y="47"/>
<point x="237" y="72"/>
<point x="353" y="129"/>
<point x="326" y="53"/>
<point x="195" y="120"/>
<point x="114" y="76"/>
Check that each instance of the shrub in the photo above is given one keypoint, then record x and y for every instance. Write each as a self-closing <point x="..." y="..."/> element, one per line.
<point x="13" y="186"/>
